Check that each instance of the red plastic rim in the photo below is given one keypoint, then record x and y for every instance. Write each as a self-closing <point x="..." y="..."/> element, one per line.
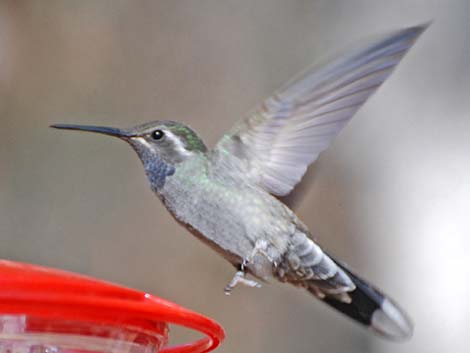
<point x="59" y="295"/>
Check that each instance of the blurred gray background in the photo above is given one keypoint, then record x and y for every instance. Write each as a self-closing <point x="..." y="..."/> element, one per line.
<point x="391" y="196"/>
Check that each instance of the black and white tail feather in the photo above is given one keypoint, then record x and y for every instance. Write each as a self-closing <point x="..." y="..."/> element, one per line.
<point x="306" y="265"/>
<point x="370" y="307"/>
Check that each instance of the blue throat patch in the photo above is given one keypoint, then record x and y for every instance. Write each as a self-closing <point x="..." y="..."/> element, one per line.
<point x="157" y="171"/>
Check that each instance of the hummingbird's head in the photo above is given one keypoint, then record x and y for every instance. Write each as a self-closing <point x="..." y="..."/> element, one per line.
<point x="171" y="141"/>
<point x="161" y="145"/>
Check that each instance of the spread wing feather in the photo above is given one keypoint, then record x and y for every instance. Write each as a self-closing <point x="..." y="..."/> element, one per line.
<point x="288" y="131"/>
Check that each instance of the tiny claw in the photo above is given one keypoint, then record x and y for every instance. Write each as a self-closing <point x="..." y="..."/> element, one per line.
<point x="239" y="277"/>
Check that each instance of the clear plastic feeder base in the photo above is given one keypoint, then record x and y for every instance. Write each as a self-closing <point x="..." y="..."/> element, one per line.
<point x="26" y="334"/>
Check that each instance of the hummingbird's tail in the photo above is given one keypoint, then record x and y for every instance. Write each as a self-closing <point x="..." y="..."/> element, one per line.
<point x="369" y="306"/>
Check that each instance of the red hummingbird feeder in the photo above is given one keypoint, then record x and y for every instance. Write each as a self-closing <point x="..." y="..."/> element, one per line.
<point x="44" y="310"/>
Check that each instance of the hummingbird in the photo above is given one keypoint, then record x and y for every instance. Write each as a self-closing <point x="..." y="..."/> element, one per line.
<point x="228" y="196"/>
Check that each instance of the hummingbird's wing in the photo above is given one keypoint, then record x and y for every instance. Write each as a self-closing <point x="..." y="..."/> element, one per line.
<point x="288" y="131"/>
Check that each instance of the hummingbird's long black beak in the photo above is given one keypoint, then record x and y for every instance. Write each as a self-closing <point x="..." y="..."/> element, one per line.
<point x="111" y="131"/>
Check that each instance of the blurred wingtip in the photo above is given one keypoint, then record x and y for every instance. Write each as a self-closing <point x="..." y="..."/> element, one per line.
<point x="411" y="33"/>
<point x="420" y="28"/>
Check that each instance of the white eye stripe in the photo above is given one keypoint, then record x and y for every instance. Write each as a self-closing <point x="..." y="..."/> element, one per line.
<point x="179" y="145"/>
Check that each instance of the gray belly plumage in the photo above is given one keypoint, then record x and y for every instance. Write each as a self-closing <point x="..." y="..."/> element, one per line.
<point x="229" y="217"/>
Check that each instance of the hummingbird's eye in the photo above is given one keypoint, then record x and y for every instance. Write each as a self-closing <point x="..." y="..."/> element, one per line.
<point x="158" y="134"/>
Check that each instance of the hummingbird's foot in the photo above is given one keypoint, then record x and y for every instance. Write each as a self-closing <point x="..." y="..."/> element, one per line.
<point x="240" y="278"/>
